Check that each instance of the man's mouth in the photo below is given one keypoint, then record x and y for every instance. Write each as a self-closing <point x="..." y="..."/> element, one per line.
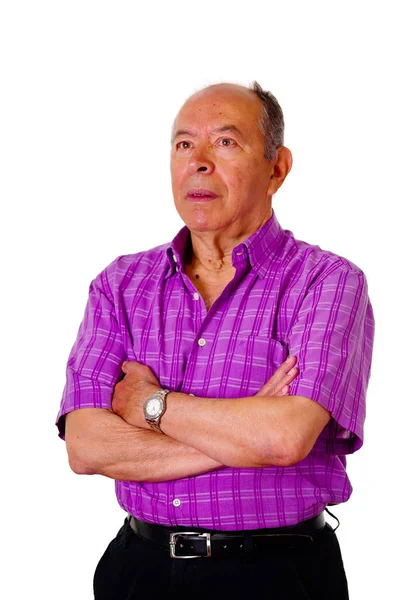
<point x="200" y="194"/>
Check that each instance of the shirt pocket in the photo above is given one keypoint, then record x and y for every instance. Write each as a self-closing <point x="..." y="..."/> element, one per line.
<point x="255" y="359"/>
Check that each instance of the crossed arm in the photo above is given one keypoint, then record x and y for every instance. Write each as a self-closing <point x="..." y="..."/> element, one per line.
<point x="99" y="441"/>
<point x="200" y="434"/>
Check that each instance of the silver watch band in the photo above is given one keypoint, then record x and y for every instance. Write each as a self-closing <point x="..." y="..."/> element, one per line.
<point x="155" y="422"/>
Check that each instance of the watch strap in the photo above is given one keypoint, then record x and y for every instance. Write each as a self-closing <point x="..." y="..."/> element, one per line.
<point x="155" y="422"/>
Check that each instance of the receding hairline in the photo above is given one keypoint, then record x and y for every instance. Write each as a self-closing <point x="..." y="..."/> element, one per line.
<point x="203" y="91"/>
<point x="271" y="121"/>
<point x="223" y="87"/>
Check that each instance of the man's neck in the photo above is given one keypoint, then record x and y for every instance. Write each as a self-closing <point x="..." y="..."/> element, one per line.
<point x="212" y="253"/>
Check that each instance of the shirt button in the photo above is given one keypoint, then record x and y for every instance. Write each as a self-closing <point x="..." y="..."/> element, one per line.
<point x="201" y="342"/>
<point x="176" y="502"/>
<point x="196" y="296"/>
<point x="174" y="257"/>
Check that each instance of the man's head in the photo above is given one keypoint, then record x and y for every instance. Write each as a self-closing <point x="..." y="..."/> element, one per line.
<point x="227" y="144"/>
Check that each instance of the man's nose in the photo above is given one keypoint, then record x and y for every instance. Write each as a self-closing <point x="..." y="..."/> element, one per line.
<point x="201" y="162"/>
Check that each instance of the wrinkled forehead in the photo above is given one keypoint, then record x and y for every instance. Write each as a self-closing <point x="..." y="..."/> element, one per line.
<point x="213" y="108"/>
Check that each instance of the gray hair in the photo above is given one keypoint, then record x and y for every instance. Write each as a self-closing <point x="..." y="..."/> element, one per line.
<point x="271" y="122"/>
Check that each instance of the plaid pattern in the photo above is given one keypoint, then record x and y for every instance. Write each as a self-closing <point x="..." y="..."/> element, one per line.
<point x="287" y="297"/>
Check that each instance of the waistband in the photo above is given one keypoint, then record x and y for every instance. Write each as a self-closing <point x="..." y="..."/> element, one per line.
<point x="194" y="542"/>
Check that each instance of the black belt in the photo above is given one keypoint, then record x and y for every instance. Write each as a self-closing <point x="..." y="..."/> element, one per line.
<point x="193" y="542"/>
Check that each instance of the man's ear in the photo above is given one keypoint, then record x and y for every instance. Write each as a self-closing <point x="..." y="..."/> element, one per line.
<point x="283" y="164"/>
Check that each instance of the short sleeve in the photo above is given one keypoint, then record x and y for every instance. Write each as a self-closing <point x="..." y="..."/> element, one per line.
<point x="332" y="338"/>
<point x="94" y="364"/>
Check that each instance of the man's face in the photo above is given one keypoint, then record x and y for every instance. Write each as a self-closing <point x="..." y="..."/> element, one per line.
<point x="220" y="177"/>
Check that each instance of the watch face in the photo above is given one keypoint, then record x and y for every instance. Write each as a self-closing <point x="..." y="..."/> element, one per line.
<point x="153" y="407"/>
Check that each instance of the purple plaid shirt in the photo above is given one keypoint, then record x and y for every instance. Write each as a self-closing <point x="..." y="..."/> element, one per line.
<point x="287" y="297"/>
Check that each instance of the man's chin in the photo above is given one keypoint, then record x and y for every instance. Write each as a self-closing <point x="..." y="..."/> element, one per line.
<point x="201" y="225"/>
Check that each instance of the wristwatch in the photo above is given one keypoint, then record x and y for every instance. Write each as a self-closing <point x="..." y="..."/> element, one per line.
<point x="154" y="408"/>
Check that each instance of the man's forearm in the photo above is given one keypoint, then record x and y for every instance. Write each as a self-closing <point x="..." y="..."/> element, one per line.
<point x="254" y="431"/>
<point x="232" y="430"/>
<point x="103" y="443"/>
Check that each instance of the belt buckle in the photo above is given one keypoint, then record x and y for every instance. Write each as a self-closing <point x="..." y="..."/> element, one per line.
<point x="172" y="543"/>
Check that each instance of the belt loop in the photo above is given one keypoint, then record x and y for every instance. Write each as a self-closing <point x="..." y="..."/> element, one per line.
<point x="248" y="542"/>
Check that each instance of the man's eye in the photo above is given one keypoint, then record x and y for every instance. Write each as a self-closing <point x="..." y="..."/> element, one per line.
<point x="226" y="142"/>
<point x="183" y="145"/>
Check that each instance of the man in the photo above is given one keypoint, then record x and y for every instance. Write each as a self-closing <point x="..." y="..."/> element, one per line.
<point x="178" y="383"/>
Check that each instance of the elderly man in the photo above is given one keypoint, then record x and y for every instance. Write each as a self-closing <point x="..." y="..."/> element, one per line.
<point x="220" y="379"/>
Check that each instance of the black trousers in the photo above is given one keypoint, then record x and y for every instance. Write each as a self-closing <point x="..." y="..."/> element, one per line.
<point x="133" y="568"/>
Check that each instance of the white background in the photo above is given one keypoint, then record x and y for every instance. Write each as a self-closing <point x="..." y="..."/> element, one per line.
<point x="88" y="94"/>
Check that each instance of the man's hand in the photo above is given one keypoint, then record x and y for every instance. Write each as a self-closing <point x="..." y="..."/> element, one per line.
<point x="140" y="382"/>
<point x="131" y="392"/>
<point x="278" y="384"/>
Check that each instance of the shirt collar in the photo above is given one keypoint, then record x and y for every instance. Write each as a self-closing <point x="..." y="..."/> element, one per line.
<point x="260" y="249"/>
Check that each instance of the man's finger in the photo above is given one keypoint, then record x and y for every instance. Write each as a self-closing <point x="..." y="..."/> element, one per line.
<point x="128" y="366"/>
<point x="283" y="376"/>
<point x="282" y="371"/>
<point x="283" y="392"/>
<point x="276" y="388"/>
<point x="290" y="375"/>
